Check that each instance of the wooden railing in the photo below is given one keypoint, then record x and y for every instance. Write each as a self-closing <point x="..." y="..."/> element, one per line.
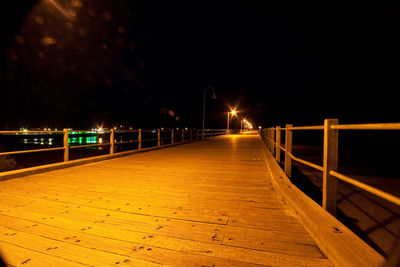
<point x="272" y="138"/>
<point x="174" y="136"/>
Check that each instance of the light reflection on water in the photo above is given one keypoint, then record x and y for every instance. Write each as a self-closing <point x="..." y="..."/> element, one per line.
<point x="81" y="140"/>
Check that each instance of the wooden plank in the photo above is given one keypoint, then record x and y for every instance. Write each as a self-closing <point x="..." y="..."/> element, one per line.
<point x="67" y="251"/>
<point x="282" y="247"/>
<point x="149" y="210"/>
<point x="277" y="215"/>
<point x="151" y="192"/>
<point x="51" y="189"/>
<point x="155" y="199"/>
<point x="264" y="235"/>
<point x="140" y="205"/>
<point x="123" y="248"/>
<point x="140" y="224"/>
<point x="188" y="246"/>
<point x="72" y="163"/>
<point x="15" y="255"/>
<point x="137" y="187"/>
<point x="166" y="227"/>
<point x="165" y="207"/>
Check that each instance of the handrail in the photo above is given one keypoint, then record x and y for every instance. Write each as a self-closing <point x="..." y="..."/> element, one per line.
<point x="213" y="130"/>
<point x="149" y="139"/>
<point x="30" y="151"/>
<point x="128" y="142"/>
<point x="88" y="145"/>
<point x="317" y="127"/>
<point x="184" y="134"/>
<point x="27" y="132"/>
<point x="88" y="131"/>
<point x="370" y="126"/>
<point x="282" y="148"/>
<point x="305" y="162"/>
<point x="368" y="188"/>
<point x="272" y="135"/>
<point x="127" y="131"/>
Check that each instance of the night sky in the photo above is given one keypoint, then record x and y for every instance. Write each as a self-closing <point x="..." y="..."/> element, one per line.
<point x="75" y="63"/>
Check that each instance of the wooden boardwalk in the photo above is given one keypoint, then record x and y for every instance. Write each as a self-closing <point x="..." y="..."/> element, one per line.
<point x="207" y="203"/>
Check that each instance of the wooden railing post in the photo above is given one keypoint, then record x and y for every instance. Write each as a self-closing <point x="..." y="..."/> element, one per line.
<point x="172" y="136"/>
<point x="183" y="135"/>
<point x="272" y="139"/>
<point x="278" y="143"/>
<point x="190" y="134"/>
<point x="66" y="148"/>
<point x="197" y="134"/>
<point x="140" y="139"/>
<point x="330" y="163"/>
<point x="112" y="141"/>
<point x="288" y="148"/>
<point x="158" y="137"/>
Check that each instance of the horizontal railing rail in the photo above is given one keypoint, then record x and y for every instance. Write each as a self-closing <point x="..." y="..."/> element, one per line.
<point x="28" y="132"/>
<point x="30" y="151"/>
<point x="174" y="136"/>
<point x="272" y="138"/>
<point x="317" y="127"/>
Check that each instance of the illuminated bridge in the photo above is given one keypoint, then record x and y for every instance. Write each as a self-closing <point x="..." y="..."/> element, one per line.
<point x="223" y="201"/>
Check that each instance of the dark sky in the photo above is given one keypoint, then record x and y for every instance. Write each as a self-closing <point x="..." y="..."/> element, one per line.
<point x="75" y="63"/>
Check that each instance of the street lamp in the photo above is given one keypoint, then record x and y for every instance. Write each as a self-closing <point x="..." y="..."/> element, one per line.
<point x="233" y="112"/>
<point x="204" y="106"/>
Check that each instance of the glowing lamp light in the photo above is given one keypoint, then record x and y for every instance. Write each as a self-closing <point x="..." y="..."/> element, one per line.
<point x="100" y="129"/>
<point x="233" y="112"/>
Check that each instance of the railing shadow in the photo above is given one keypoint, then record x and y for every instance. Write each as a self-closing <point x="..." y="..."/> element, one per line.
<point x="378" y="228"/>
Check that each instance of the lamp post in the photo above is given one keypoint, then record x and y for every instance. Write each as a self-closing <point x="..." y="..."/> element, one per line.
<point x="233" y="111"/>
<point x="204" y="106"/>
<point x="227" y="126"/>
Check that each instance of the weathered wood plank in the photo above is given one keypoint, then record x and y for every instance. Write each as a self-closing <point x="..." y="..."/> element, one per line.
<point x="134" y="203"/>
<point x="201" y="204"/>
<point x="67" y="251"/>
<point x="215" y="236"/>
<point x="184" y="245"/>
<point x="146" y="196"/>
<point x="20" y="256"/>
<point x="123" y="248"/>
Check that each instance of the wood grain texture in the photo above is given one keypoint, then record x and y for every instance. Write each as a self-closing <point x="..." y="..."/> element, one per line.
<point x="340" y="244"/>
<point x="209" y="203"/>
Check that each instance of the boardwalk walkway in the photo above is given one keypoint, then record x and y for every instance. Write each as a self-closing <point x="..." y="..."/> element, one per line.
<point x="201" y="204"/>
